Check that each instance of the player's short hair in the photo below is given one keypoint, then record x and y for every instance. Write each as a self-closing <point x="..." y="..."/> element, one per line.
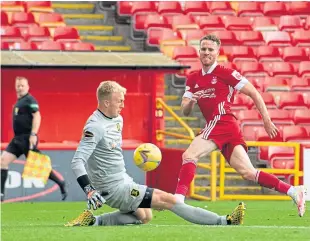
<point x="106" y="88"/>
<point x="212" y="38"/>
<point x="21" y="78"/>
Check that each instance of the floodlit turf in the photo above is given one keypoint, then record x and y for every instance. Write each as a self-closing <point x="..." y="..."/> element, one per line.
<point x="264" y="221"/>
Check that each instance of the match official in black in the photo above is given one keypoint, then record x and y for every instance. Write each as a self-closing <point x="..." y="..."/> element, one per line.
<point x="26" y="124"/>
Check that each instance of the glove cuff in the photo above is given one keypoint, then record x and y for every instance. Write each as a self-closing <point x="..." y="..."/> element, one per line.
<point x="88" y="188"/>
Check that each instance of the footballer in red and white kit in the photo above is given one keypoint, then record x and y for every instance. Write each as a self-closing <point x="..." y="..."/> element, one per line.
<point x="213" y="89"/>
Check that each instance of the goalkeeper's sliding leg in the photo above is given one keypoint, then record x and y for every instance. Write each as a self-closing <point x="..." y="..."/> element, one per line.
<point x="162" y="200"/>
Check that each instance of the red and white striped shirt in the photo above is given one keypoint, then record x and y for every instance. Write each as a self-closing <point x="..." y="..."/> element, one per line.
<point x="216" y="89"/>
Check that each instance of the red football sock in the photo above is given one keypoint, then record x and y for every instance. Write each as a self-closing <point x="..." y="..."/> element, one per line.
<point x="270" y="181"/>
<point x="186" y="176"/>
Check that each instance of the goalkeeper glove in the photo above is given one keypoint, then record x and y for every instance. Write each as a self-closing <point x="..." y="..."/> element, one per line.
<point x="94" y="199"/>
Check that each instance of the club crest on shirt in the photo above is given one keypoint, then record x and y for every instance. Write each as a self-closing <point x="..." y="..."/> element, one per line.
<point x="237" y="75"/>
<point x="16" y="110"/>
<point x="118" y="127"/>
<point x="214" y="80"/>
<point x="134" y="193"/>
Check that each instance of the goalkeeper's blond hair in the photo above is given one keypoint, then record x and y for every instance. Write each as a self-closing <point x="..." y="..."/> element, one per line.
<point x="106" y="88"/>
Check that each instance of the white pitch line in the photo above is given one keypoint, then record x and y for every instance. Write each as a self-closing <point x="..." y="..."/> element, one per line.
<point x="221" y="226"/>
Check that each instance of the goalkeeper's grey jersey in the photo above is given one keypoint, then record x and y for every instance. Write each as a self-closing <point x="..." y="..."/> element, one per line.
<point x="101" y="150"/>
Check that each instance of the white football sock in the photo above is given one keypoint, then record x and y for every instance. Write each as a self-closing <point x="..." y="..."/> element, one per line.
<point x="291" y="192"/>
<point x="180" y="197"/>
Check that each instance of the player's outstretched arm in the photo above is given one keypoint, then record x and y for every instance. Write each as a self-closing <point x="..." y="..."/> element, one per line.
<point x="249" y="90"/>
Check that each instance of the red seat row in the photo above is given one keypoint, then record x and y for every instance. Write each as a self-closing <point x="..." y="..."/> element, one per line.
<point x="129" y="8"/>
<point x="27" y="6"/>
<point x="21" y="19"/>
<point x="10" y="33"/>
<point x="47" y="45"/>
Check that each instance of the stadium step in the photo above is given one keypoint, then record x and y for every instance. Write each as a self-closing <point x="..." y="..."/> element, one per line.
<point x="95" y="30"/>
<point x="84" y="19"/>
<point x="62" y="7"/>
<point x="181" y="130"/>
<point x="113" y="48"/>
<point x="103" y="40"/>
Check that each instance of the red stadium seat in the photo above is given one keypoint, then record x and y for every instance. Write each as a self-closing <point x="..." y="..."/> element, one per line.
<point x="199" y="8"/>
<point x="10" y="33"/>
<point x="124" y="8"/>
<point x="261" y="135"/>
<point x="22" y="19"/>
<point x="252" y="69"/>
<point x="307" y="99"/>
<point x="269" y="100"/>
<point x="307" y="23"/>
<point x="228" y="65"/>
<point x="5" y="45"/>
<point x="155" y="21"/>
<point x="301" y="38"/>
<point x="80" y="46"/>
<point x="281" y="157"/>
<point x="51" y="20"/>
<point x="195" y="65"/>
<point x="249" y="116"/>
<point x="154" y="35"/>
<point x="210" y="23"/>
<point x="300" y="8"/>
<point x="264" y="24"/>
<point x="237" y="23"/>
<point x="290" y="100"/>
<point x="169" y="17"/>
<point x="281" y="117"/>
<point x="169" y="7"/>
<point x="268" y="54"/>
<point x="183" y="22"/>
<point x="246" y="9"/>
<point x="242" y="102"/>
<point x="295" y="134"/>
<point x="66" y="34"/>
<point x="138" y="20"/>
<point x="4" y="19"/>
<point x="299" y="84"/>
<point x="23" y="46"/>
<point x="252" y="38"/>
<point x="191" y="36"/>
<point x="184" y="52"/>
<point x="39" y="6"/>
<point x="277" y="38"/>
<point x="145" y="6"/>
<point x="290" y="23"/>
<point x="12" y="6"/>
<point x="50" y="45"/>
<point x="294" y="54"/>
<point x="36" y="33"/>
<point x="283" y="69"/>
<point x="221" y="8"/>
<point x="275" y="9"/>
<point x="275" y="84"/>
<point x="304" y="69"/>
<point x="227" y="37"/>
<point x="302" y="117"/>
<point x="242" y="53"/>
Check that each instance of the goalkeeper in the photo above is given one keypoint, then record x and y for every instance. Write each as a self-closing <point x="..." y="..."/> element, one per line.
<point x="100" y="170"/>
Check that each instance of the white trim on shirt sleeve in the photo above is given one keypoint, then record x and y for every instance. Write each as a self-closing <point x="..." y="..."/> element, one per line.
<point x="241" y="83"/>
<point x="188" y="94"/>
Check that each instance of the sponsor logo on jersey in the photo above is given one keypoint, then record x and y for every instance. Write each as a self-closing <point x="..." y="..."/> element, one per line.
<point x="214" y="80"/>
<point x="207" y="93"/>
<point x="237" y="75"/>
<point x="134" y="193"/>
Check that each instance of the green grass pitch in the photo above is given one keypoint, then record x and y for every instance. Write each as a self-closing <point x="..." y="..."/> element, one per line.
<point x="264" y="221"/>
